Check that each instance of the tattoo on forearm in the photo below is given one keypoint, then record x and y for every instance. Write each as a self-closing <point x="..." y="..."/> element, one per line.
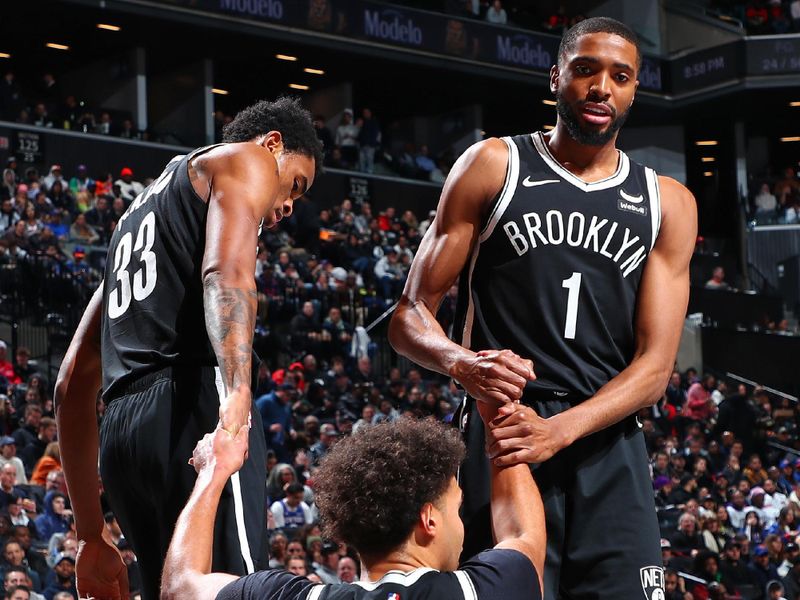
<point x="230" y="322"/>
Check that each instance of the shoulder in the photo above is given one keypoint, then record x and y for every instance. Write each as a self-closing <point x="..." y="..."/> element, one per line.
<point x="275" y="583"/>
<point x="501" y="573"/>
<point x="243" y="159"/>
<point x="675" y="197"/>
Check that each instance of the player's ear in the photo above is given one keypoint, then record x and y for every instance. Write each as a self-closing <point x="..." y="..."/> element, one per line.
<point x="554" y="78"/>
<point x="428" y="520"/>
<point x="273" y="141"/>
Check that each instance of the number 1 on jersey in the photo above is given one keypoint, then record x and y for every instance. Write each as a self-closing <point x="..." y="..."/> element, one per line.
<point x="573" y="284"/>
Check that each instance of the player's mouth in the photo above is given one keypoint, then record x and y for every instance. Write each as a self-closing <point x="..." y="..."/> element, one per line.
<point x="596" y="114"/>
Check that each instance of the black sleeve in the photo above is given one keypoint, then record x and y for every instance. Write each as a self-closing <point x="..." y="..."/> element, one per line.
<point x="275" y="584"/>
<point x="506" y="574"/>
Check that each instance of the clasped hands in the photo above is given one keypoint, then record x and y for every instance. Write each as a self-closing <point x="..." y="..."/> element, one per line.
<point x="515" y="433"/>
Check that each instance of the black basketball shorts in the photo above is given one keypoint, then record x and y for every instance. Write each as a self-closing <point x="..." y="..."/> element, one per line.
<point x="602" y="530"/>
<point x="146" y="440"/>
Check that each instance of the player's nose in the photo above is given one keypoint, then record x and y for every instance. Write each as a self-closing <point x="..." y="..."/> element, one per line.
<point x="287" y="207"/>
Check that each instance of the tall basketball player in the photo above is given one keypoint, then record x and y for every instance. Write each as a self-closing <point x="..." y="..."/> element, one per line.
<point x="574" y="259"/>
<point x="174" y="319"/>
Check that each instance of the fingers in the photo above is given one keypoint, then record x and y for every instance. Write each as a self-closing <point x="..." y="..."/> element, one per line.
<point x="514" y="458"/>
<point x="512" y="414"/>
<point x="506" y="446"/>
<point x="513" y="362"/>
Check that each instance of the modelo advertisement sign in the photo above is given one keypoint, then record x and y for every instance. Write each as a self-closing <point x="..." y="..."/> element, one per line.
<point x="413" y="30"/>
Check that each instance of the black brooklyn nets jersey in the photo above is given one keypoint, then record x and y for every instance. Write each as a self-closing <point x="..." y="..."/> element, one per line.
<point x="153" y="296"/>
<point x="555" y="273"/>
<point x="491" y="575"/>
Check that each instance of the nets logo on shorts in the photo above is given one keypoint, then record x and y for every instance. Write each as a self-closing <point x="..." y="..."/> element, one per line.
<point x="652" y="579"/>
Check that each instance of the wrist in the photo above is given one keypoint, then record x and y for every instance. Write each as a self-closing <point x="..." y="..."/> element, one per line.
<point x="458" y="364"/>
<point x="563" y="430"/>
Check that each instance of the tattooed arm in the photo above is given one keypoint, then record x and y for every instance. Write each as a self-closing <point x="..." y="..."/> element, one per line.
<point x="243" y="182"/>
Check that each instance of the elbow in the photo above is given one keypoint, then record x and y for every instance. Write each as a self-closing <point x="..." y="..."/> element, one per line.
<point x="659" y="377"/>
<point x="397" y="329"/>
<point x="177" y="585"/>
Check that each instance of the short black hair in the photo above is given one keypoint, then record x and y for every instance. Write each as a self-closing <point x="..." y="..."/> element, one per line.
<point x="599" y="25"/>
<point x="372" y="485"/>
<point x="286" y="115"/>
<point x="294" y="488"/>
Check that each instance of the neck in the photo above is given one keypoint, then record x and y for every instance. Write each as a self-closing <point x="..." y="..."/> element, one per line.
<point x="408" y="557"/>
<point x="571" y="153"/>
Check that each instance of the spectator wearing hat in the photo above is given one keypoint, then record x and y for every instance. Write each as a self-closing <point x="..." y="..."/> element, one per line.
<point x="53" y="176"/>
<point x="390" y="274"/>
<point x="328" y="435"/>
<point x="275" y="408"/>
<point x="8" y="456"/>
<point x="733" y="568"/>
<point x="791" y="553"/>
<point x="128" y="188"/>
<point x="64" y="568"/>
<point x="791" y="581"/>
<point x="761" y="569"/>
<point x="81" y="182"/>
<point x="328" y="566"/>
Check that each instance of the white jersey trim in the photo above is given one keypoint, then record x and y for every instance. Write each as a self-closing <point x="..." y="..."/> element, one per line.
<point x="466" y="585"/>
<point x="507" y="193"/>
<point x="396" y="577"/>
<point x="655" y="202"/>
<point x="619" y="177"/>
<point x="236" y="484"/>
<point x="315" y="592"/>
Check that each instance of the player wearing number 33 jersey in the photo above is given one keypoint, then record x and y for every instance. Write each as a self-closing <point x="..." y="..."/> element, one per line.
<point x="176" y="316"/>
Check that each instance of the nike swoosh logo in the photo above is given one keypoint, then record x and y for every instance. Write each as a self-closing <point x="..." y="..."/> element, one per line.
<point x="634" y="199"/>
<point x="528" y="183"/>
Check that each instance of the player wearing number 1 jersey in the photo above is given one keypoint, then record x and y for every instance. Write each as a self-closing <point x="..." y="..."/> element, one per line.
<point x="573" y="262"/>
<point x="174" y="319"/>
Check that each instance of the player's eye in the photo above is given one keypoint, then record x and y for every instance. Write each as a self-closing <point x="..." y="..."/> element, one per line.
<point x="295" y="186"/>
<point x="622" y="77"/>
<point x="582" y="70"/>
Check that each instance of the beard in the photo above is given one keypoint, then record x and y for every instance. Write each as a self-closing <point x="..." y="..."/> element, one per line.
<point x="588" y="137"/>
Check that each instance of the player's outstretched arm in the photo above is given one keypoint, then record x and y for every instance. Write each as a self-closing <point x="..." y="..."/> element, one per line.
<point x="187" y="567"/>
<point x="494" y="376"/>
<point x="522" y="436"/>
<point x="243" y="184"/>
<point x="101" y="572"/>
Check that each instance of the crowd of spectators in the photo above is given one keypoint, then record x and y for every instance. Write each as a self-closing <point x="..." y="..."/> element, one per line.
<point x="763" y="17"/>
<point x="726" y="472"/>
<point x="45" y="104"/>
<point x="725" y="478"/>
<point x="53" y="220"/>
<point x="778" y="202"/>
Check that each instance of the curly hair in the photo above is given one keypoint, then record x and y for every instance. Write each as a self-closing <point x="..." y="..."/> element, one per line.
<point x="599" y="25"/>
<point x="285" y="115"/>
<point x="372" y="485"/>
